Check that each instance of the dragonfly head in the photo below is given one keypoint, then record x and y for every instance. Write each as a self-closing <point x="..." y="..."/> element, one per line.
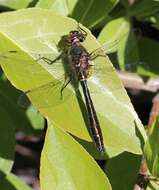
<point x="76" y="36"/>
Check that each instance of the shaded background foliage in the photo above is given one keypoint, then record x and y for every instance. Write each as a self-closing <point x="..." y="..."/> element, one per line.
<point x="129" y="31"/>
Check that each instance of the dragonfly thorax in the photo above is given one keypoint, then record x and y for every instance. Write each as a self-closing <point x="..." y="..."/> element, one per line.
<point x="76" y="51"/>
<point x="80" y="61"/>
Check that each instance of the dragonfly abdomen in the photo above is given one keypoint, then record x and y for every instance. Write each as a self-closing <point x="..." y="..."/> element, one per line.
<point x="80" y="64"/>
<point x="93" y="120"/>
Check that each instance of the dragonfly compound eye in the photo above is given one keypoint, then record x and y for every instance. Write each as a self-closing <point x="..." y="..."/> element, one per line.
<point x="74" y="32"/>
<point x="81" y="39"/>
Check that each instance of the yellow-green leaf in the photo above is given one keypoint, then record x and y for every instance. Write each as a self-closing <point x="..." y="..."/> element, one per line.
<point x="27" y="33"/>
<point x="12" y="182"/>
<point x="66" y="165"/>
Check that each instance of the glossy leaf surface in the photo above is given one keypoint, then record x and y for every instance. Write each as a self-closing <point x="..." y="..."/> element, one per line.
<point x="12" y="182"/>
<point x="44" y="30"/>
<point x="152" y="150"/>
<point x="15" y="4"/>
<point x="66" y="165"/>
<point x="91" y="13"/>
<point x="122" y="170"/>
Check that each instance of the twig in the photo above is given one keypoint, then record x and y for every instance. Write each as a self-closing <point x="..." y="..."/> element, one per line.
<point x="154" y="111"/>
<point x="27" y="138"/>
<point x="131" y="2"/>
<point x="143" y="168"/>
<point x="26" y="152"/>
<point x="134" y="81"/>
<point x="31" y="180"/>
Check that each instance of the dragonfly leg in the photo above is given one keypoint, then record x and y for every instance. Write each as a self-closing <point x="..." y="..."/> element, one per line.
<point x="49" y="61"/>
<point x="64" y="86"/>
<point x="81" y="30"/>
<point x="94" y="55"/>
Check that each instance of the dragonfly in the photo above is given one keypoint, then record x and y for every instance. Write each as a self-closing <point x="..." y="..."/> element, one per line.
<point x="79" y="60"/>
<point x="80" y="67"/>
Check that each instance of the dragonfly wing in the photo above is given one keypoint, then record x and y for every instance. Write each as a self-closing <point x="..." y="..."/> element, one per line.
<point x="35" y="68"/>
<point x="108" y="47"/>
<point x="49" y="95"/>
<point x="104" y="49"/>
<point x="27" y="57"/>
<point x="51" y="76"/>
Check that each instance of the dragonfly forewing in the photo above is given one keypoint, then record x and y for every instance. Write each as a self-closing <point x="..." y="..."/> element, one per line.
<point x="40" y="70"/>
<point x="49" y="95"/>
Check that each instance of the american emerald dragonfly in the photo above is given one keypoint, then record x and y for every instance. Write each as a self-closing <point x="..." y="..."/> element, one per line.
<point x="80" y="64"/>
<point x="79" y="61"/>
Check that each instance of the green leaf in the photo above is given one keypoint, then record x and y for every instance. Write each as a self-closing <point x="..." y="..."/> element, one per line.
<point x="71" y="5"/>
<point x="148" y="57"/>
<point x="126" y="4"/>
<point x="117" y="12"/>
<point x="26" y="120"/>
<point x="91" y="13"/>
<point x="63" y="7"/>
<point x="113" y="32"/>
<point x="117" y="36"/>
<point x="128" y="54"/>
<point x="151" y="150"/>
<point x="15" y="4"/>
<point x="155" y="20"/>
<point x="44" y="30"/>
<point x="12" y="182"/>
<point x="7" y="141"/>
<point x="144" y="8"/>
<point x="122" y="170"/>
<point x="66" y="165"/>
<point x="35" y="118"/>
<point x="153" y="185"/>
